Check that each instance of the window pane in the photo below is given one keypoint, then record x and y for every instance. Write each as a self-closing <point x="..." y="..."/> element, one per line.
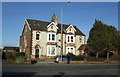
<point x="49" y="36"/>
<point x="71" y="50"/>
<point x="68" y="39"/>
<point x="51" y="27"/>
<point x="53" y="51"/>
<point x="80" y="40"/>
<point x="71" y="38"/>
<point x="53" y="37"/>
<point x="37" y="36"/>
<point x="49" y="50"/>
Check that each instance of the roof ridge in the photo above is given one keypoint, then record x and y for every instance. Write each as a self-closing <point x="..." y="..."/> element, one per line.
<point x="38" y="20"/>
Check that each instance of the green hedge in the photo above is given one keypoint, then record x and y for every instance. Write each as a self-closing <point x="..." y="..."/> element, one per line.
<point x="91" y="59"/>
<point x="18" y="57"/>
<point x="76" y="58"/>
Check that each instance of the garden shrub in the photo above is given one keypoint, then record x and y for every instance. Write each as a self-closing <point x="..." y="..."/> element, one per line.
<point x="95" y="59"/>
<point x="20" y="57"/>
<point x="9" y="56"/>
<point x="76" y="58"/>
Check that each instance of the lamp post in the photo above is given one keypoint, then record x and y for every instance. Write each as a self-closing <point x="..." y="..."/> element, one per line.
<point x="62" y="30"/>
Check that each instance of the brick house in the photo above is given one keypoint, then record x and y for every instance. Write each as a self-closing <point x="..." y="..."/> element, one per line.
<point x="40" y="38"/>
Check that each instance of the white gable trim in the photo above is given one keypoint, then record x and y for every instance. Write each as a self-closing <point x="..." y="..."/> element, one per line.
<point x="28" y="24"/>
<point x="72" y="27"/>
<point x="52" y="23"/>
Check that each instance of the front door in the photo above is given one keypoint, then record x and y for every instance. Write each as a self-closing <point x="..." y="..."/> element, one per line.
<point x="37" y="53"/>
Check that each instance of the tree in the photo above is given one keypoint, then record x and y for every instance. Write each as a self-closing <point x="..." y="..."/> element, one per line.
<point x="102" y="38"/>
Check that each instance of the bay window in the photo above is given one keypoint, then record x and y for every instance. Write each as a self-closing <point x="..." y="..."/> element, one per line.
<point x="51" y="50"/>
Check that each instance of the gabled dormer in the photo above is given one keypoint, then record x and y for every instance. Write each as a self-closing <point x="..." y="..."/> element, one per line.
<point x="70" y="29"/>
<point x="52" y="27"/>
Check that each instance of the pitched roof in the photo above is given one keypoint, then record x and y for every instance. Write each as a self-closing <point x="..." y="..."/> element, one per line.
<point x="82" y="47"/>
<point x="42" y="26"/>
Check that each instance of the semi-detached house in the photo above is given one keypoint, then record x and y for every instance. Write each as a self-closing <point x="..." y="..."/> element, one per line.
<point x="43" y="39"/>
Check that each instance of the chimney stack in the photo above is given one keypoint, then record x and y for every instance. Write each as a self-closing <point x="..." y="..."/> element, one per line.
<point x="54" y="19"/>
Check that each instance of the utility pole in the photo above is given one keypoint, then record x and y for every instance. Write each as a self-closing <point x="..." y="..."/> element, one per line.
<point x="62" y="30"/>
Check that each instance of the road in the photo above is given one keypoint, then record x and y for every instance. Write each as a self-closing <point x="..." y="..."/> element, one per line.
<point x="58" y="69"/>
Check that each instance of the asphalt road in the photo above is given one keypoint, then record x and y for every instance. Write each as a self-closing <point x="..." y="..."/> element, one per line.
<point x="58" y="69"/>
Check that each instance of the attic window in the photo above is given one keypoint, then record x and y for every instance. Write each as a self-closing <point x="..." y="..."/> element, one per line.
<point x="70" y="29"/>
<point x="51" y="26"/>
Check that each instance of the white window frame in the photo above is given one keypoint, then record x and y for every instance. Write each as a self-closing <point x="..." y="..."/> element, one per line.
<point x="50" y="40"/>
<point x="70" y="38"/>
<point x="69" y="47"/>
<point x="49" y="47"/>
<point x="36" y="36"/>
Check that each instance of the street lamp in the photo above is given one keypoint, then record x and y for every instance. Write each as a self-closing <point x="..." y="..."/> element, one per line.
<point x="62" y="30"/>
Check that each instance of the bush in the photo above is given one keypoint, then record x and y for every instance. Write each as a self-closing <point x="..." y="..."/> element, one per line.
<point x="115" y="58"/>
<point x="9" y="56"/>
<point x="19" y="54"/>
<point x="89" y="59"/>
<point x="79" y="58"/>
<point x="20" y="59"/>
<point x="75" y="58"/>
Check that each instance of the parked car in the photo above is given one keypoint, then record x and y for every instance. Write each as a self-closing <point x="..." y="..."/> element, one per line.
<point x="58" y="58"/>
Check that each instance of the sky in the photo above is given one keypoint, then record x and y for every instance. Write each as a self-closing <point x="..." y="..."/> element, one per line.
<point x="80" y="14"/>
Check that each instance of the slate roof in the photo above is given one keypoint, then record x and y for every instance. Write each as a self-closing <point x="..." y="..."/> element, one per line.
<point x="42" y="26"/>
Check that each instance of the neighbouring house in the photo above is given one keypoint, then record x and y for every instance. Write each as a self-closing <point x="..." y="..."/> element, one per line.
<point x="44" y="39"/>
<point x="10" y="49"/>
<point x="81" y="49"/>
